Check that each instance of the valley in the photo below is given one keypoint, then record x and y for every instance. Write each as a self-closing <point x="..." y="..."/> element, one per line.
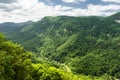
<point x="84" y="47"/>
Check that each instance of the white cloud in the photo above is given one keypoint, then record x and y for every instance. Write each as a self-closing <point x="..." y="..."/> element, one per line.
<point x="103" y="7"/>
<point x="116" y="1"/>
<point x="33" y="11"/>
<point x="73" y="1"/>
<point x="24" y="10"/>
<point x="97" y="10"/>
<point x="27" y="3"/>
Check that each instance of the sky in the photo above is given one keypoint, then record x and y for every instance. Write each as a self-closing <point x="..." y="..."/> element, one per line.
<point x="34" y="10"/>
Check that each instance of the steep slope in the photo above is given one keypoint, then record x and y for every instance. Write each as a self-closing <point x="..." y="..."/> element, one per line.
<point x="55" y="28"/>
<point x="15" y="64"/>
<point x="88" y="45"/>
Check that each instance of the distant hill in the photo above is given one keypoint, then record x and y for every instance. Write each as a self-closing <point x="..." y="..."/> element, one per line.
<point x="9" y="28"/>
<point x="88" y="45"/>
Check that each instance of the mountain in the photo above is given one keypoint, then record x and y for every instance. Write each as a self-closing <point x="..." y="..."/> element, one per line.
<point x="9" y="28"/>
<point x="53" y="26"/>
<point x="88" y="45"/>
<point x="15" y="64"/>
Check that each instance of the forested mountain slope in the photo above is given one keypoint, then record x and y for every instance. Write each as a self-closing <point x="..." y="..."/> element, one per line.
<point x="9" y="28"/>
<point x="88" y="45"/>
<point x="15" y="64"/>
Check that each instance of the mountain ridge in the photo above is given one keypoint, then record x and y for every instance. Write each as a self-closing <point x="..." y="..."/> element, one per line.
<point x="83" y="43"/>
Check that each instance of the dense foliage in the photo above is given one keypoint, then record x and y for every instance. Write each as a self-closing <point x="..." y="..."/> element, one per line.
<point x="15" y="64"/>
<point x="88" y="45"/>
<point x="14" y="61"/>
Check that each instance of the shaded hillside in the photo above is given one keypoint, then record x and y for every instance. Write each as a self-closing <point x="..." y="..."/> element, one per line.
<point x="15" y="64"/>
<point x="53" y="28"/>
<point x="88" y="45"/>
<point x="10" y="28"/>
